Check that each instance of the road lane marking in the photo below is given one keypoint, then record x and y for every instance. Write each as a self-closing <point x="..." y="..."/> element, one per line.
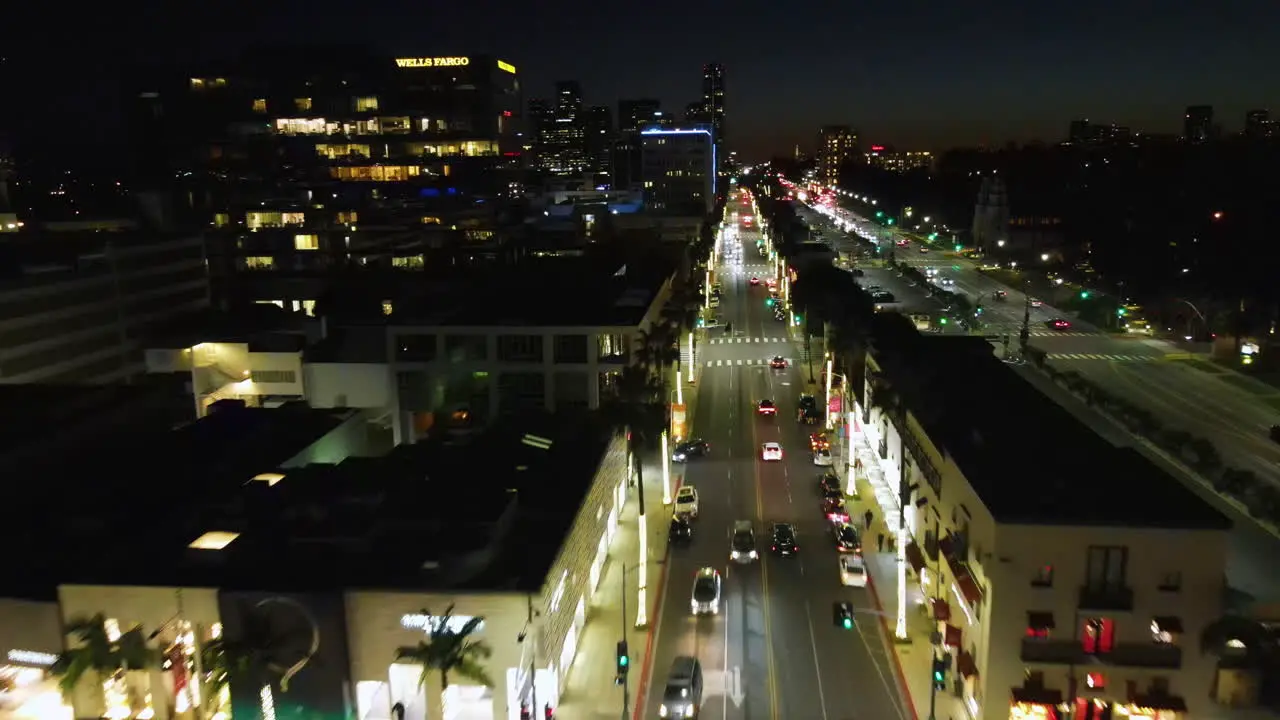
<point x="764" y="582"/>
<point x="817" y="664"/>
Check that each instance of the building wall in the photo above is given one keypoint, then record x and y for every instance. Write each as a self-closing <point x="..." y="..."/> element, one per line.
<point x="30" y="625"/>
<point x="348" y="439"/>
<point x="355" y="385"/>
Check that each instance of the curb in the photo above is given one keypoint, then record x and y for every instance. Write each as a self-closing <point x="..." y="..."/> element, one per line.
<point x="646" y="669"/>
<point x="897" y="662"/>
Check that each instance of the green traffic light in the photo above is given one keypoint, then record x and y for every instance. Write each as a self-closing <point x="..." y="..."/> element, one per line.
<point x="937" y="676"/>
<point x="1121" y="312"/>
<point x="848" y="623"/>
<point x="879" y="213"/>
<point x="1084" y="294"/>
<point x="890" y="221"/>
<point x="942" y="321"/>
<point x="769" y="302"/>
<point x="624" y="661"/>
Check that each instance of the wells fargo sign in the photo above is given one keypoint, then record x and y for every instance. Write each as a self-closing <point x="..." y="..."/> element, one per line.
<point x="433" y="62"/>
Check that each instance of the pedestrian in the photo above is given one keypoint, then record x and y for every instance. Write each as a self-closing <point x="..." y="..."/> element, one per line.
<point x="880" y="542"/>
<point x="867" y="517"/>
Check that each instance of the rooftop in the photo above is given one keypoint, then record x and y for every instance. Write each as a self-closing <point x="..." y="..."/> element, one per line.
<point x="488" y="514"/>
<point x="1027" y="458"/>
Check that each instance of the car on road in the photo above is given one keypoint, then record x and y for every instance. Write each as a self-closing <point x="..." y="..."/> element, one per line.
<point x="883" y="297"/>
<point x="695" y="448"/>
<point x="681" y="530"/>
<point x="847" y="540"/>
<point x="710" y="322"/>
<point x="924" y="250"/>
<point x="755" y="280"/>
<point x="706" y="592"/>
<point x="1037" y="303"/>
<point x="853" y="573"/>
<point x="822" y="457"/>
<point x="687" y="501"/>
<point x="682" y="697"/>
<point x="1058" y="324"/>
<point x="771" y="452"/>
<point x="829" y="484"/>
<point x="778" y="362"/>
<point x="819" y="440"/>
<point x="946" y="282"/>
<point x="1000" y="295"/>
<point x="742" y="542"/>
<point x="783" y="539"/>
<point x="713" y="302"/>
<point x="766" y="407"/>
<point x="835" y="510"/>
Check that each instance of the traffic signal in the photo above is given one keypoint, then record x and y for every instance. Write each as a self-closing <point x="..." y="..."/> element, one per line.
<point x="879" y="213"/>
<point x="769" y="302"/>
<point x="624" y="660"/>
<point x="1084" y="294"/>
<point x="842" y="614"/>
<point x="940" y="667"/>
<point x="933" y="236"/>
<point x="890" y="221"/>
<point x="1121" y="312"/>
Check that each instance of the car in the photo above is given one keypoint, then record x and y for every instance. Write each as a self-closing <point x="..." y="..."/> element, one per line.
<point x="807" y="402"/>
<point x="947" y="282"/>
<point x="1037" y="302"/>
<point x="853" y="572"/>
<point x="687" y="501"/>
<point x="742" y="542"/>
<point x="710" y="322"/>
<point x="819" y="440"/>
<point x="766" y="407"/>
<point x="713" y="302"/>
<point x="690" y="449"/>
<point x="780" y="316"/>
<point x="706" y="592"/>
<point x="681" y="530"/>
<point x="822" y="457"/>
<point x="924" y="250"/>
<point x="1000" y="295"/>
<point x="783" y="539"/>
<point x="883" y="297"/>
<point x="829" y="485"/>
<point x="755" y="280"/>
<point x="847" y="540"/>
<point x="778" y="362"/>
<point x="1059" y="324"/>
<point x="835" y="510"/>
<point x="770" y="452"/>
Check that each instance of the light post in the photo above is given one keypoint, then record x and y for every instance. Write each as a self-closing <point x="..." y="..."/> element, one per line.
<point x="827" y="408"/>
<point x="1199" y="314"/>
<point x="666" y="470"/>
<point x="689" y="370"/>
<point x="679" y="387"/>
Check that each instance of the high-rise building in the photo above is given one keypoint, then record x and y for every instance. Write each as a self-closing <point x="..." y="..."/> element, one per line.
<point x="713" y="102"/>
<point x="540" y="120"/>
<point x="679" y="169"/>
<point x="696" y="112"/>
<point x="565" y="148"/>
<point x="1197" y="124"/>
<point x="1258" y="124"/>
<point x="1083" y="133"/>
<point x="836" y="144"/>
<point x="599" y="140"/>
<point x="991" y="214"/>
<point x="634" y="114"/>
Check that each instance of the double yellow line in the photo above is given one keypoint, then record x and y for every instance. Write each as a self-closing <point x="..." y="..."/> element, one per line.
<point x="764" y="573"/>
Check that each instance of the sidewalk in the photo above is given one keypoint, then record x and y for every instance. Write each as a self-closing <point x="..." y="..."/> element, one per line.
<point x="589" y="692"/>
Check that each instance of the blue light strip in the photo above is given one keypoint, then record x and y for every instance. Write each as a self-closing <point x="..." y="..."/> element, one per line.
<point x="710" y="138"/>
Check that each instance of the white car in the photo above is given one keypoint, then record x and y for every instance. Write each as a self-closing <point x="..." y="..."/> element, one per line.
<point x="706" y="592"/>
<point x="770" y="452"/>
<point x="687" y="501"/>
<point x="853" y="571"/>
<point x="822" y="457"/>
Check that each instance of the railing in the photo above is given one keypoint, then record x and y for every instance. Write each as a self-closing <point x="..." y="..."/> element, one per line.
<point x="1106" y="597"/>
<point x="1129" y="654"/>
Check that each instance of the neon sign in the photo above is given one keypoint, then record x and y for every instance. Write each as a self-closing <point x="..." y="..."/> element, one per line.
<point x="506" y="67"/>
<point x="433" y="62"/>
<point x="877" y="148"/>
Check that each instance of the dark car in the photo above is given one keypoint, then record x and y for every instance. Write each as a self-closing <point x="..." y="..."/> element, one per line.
<point x="829" y="485"/>
<point x="681" y="531"/>
<point x="784" y="540"/>
<point x="1000" y="295"/>
<point x="766" y="407"/>
<point x="835" y="510"/>
<point x="691" y="449"/>
<point x="847" y="540"/>
<point x="807" y="402"/>
<point x="1058" y="324"/>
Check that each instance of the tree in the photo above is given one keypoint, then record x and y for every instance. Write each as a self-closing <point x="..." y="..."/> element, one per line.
<point x="1233" y="636"/>
<point x="449" y="649"/>
<point x="97" y="656"/>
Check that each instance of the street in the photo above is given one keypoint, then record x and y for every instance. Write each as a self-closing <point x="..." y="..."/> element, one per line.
<point x="773" y="651"/>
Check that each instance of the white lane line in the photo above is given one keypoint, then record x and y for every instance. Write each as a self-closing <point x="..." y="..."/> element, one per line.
<point x="817" y="664"/>
<point x="895" y="693"/>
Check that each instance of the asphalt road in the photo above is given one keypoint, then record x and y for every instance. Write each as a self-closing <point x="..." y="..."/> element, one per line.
<point x="1233" y="413"/>
<point x="774" y="651"/>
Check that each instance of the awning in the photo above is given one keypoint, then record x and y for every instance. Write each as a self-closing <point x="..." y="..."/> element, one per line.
<point x="1168" y="623"/>
<point x="1037" y="696"/>
<point x="1040" y="620"/>
<point x="965" y="665"/>
<point x="969" y="588"/>
<point x="1161" y="702"/>
<point x="915" y="558"/>
<point x="941" y="609"/>
<point x="952" y="636"/>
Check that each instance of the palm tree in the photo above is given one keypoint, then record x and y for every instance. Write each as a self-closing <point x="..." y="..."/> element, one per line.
<point x="255" y="653"/>
<point x="637" y="408"/>
<point x="97" y="656"/>
<point x="449" y="649"/>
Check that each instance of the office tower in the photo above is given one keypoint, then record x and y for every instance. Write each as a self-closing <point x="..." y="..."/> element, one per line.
<point x="632" y="114"/>
<point x="679" y="169"/>
<point x="991" y="214"/>
<point x="565" y="146"/>
<point x="836" y="144"/>
<point x="540" y="120"/>
<point x="1258" y="125"/>
<point x="1198" y="124"/>
<point x="696" y="112"/>
<point x="598" y="141"/>
<point x="713" y="103"/>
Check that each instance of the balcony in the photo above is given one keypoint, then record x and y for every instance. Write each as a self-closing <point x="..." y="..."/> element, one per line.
<point x="1106" y="597"/>
<point x="1148" y="655"/>
<point x="1062" y="652"/>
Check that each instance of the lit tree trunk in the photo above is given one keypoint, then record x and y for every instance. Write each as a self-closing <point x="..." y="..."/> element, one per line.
<point x="642" y="566"/>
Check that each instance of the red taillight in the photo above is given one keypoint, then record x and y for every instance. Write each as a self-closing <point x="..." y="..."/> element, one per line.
<point x="775" y="547"/>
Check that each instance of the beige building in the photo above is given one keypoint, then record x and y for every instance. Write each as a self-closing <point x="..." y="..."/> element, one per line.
<point x="1063" y="574"/>
<point x="836" y="144"/>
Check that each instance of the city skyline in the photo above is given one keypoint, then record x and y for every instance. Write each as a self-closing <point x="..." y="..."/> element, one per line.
<point x="1027" y="81"/>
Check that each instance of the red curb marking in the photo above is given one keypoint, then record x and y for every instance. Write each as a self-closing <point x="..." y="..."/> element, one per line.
<point x="897" y="662"/>
<point x="643" y="686"/>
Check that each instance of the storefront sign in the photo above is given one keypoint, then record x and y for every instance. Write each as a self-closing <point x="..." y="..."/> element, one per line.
<point x="506" y="67"/>
<point x="418" y="621"/>
<point x="32" y="657"/>
<point x="433" y="62"/>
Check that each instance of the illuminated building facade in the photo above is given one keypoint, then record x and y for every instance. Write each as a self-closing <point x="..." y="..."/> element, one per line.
<point x="836" y="144"/>
<point x="598" y="141"/>
<point x="679" y="169"/>
<point x="899" y="161"/>
<point x="563" y="146"/>
<point x="1197" y="124"/>
<point x="635" y="114"/>
<point x="713" y="104"/>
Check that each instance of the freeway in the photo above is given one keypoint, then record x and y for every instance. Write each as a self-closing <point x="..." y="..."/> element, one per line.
<point x="773" y="651"/>
<point x="1233" y="412"/>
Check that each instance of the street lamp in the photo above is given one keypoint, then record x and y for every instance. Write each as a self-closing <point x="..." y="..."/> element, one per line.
<point x="666" y="470"/>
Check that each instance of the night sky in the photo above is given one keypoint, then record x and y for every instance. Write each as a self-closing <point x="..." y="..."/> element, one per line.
<point x="916" y="74"/>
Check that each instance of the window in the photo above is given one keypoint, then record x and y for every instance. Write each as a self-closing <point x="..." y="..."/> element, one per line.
<point x="302" y="104"/>
<point x="1039" y="625"/>
<point x="221" y="220"/>
<point x="1095" y="681"/>
<point x="571" y="390"/>
<point x="273" y="376"/>
<point x="347" y="217"/>
<point x="409" y="262"/>
<point x="388" y="307"/>
<point x="306" y="242"/>
<point x="1043" y="577"/>
<point x="1166" y="630"/>
<point x="259" y="262"/>
<point x="369" y="103"/>
<point x="1097" y="635"/>
<point x="1107" y="567"/>
<point x="520" y="348"/>
<point x="375" y="173"/>
<point x="571" y="349"/>
<point x="260" y="105"/>
<point x="466" y="348"/>
<point x="416" y="347"/>
<point x="1170" y="582"/>
<point x="521" y="391"/>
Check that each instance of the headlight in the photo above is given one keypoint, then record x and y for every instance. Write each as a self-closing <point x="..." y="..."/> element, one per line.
<point x="754" y="554"/>
<point x="693" y="605"/>
<point x="662" y="710"/>
<point x="688" y="710"/>
<point x="735" y="555"/>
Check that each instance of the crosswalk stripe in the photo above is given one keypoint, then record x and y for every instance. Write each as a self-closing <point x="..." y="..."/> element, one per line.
<point x="726" y="341"/>
<point x="744" y="362"/>
<point x="1101" y="356"/>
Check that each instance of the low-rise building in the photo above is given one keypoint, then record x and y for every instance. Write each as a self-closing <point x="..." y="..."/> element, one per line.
<point x="331" y="569"/>
<point x="1064" y="574"/>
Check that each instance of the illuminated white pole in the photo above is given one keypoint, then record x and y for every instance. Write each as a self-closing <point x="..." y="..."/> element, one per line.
<point x="706" y="290"/>
<point x="689" y="372"/>
<point x="666" y="470"/>
<point x="851" y="485"/>
<point x="827" y="411"/>
<point x="642" y="611"/>
<point x="900" y="629"/>
<point x="679" y="388"/>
